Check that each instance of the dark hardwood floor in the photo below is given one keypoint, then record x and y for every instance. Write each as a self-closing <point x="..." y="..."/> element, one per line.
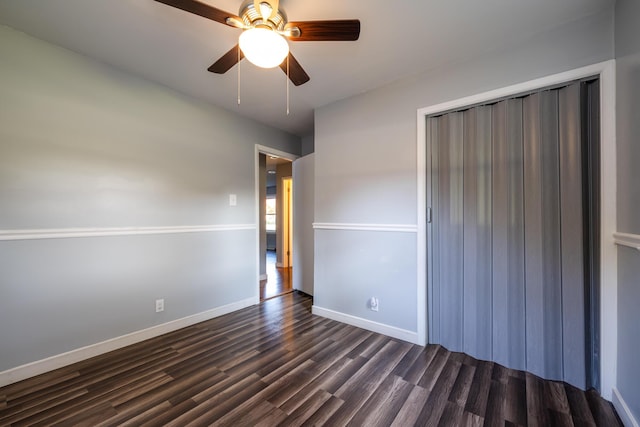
<point x="275" y="363"/>
<point x="278" y="279"/>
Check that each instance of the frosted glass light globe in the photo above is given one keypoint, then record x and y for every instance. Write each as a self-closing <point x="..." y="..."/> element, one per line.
<point x="263" y="47"/>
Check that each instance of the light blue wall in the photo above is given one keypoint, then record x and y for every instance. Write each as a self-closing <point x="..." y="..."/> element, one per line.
<point x="303" y="199"/>
<point x="84" y="145"/>
<point x="307" y="145"/>
<point x="627" y="38"/>
<point x="365" y="154"/>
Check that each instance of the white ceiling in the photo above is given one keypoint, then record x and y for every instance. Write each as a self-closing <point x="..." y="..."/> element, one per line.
<point x="398" y="38"/>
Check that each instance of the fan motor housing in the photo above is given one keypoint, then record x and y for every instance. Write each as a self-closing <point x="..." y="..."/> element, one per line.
<point x="253" y="18"/>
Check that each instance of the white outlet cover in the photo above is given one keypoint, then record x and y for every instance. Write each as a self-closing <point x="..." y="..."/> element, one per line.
<point x="233" y="200"/>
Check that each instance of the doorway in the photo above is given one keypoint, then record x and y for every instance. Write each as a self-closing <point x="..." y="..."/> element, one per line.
<point x="274" y="199"/>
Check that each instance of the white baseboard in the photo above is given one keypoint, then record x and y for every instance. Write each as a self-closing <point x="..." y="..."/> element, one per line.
<point x="279" y="264"/>
<point x="623" y="410"/>
<point x="263" y="277"/>
<point x="38" y="367"/>
<point x="369" y="325"/>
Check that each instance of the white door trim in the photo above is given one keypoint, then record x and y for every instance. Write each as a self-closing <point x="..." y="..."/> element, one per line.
<point x="263" y="149"/>
<point x="608" y="264"/>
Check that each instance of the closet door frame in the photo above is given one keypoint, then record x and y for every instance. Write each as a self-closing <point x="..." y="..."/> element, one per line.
<point x="605" y="71"/>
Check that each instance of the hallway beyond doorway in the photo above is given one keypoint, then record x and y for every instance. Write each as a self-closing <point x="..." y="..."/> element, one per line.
<point x="278" y="279"/>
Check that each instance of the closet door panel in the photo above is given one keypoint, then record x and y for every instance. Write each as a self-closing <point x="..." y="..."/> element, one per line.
<point x="573" y="303"/>
<point x="506" y="250"/>
<point x="477" y="232"/>
<point x="433" y="247"/>
<point x="552" y="262"/>
<point x="542" y="235"/>
<point x="451" y="226"/>
<point x="509" y="341"/>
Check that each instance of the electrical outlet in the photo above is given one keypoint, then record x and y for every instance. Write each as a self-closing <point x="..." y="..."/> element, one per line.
<point x="159" y="305"/>
<point x="374" y="304"/>
<point x="233" y="200"/>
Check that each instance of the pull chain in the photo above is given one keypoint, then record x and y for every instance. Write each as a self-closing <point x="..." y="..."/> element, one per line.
<point x="288" y="85"/>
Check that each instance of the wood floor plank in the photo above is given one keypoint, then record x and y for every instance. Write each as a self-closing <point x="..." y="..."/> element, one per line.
<point x="30" y="414"/>
<point x="277" y="364"/>
<point x="344" y="375"/>
<point x="432" y="373"/>
<point x="556" y="398"/>
<point x="232" y="400"/>
<point x="452" y="414"/>
<point x="408" y="414"/>
<point x="438" y="398"/>
<point x="252" y="364"/>
<point x="87" y="401"/>
<point x="536" y="408"/>
<point x="30" y="386"/>
<point x="253" y="416"/>
<point x="460" y="391"/>
<point x="90" y="417"/>
<point x="407" y="361"/>
<point x="560" y="419"/>
<point x="324" y="413"/>
<point x="495" y="414"/>
<point x="579" y="406"/>
<point x="288" y="385"/>
<point x="384" y="404"/>
<point x="168" y="415"/>
<point x="91" y="381"/>
<point x="603" y="412"/>
<point x="422" y="362"/>
<point x="479" y="391"/>
<point x="371" y="344"/>
<point x="318" y="383"/>
<point x="303" y="412"/>
<point x="218" y="404"/>
<point x="374" y="371"/>
<point x="131" y="408"/>
<point x="148" y="415"/>
<point x="470" y="419"/>
<point x="516" y="400"/>
<point x="365" y="381"/>
<point x="272" y="418"/>
<point x="293" y="363"/>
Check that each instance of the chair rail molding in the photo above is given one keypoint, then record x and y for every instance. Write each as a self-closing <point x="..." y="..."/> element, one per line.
<point x="402" y="228"/>
<point x="62" y="233"/>
<point x="627" y="239"/>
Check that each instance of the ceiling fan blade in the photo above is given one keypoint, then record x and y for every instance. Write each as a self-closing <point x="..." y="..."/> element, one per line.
<point x="297" y="75"/>
<point x="202" y="9"/>
<point x="226" y="61"/>
<point x="337" y="30"/>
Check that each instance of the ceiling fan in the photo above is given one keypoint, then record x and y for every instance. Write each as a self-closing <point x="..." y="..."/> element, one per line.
<point x="265" y="30"/>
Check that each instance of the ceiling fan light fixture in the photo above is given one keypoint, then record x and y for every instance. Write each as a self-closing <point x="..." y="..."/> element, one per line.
<point x="263" y="47"/>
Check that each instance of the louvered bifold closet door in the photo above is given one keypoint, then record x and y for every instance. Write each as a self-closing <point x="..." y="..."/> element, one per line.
<point x="506" y="272"/>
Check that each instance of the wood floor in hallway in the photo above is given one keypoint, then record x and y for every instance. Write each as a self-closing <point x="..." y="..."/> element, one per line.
<point x="277" y="364"/>
<point x="279" y="281"/>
